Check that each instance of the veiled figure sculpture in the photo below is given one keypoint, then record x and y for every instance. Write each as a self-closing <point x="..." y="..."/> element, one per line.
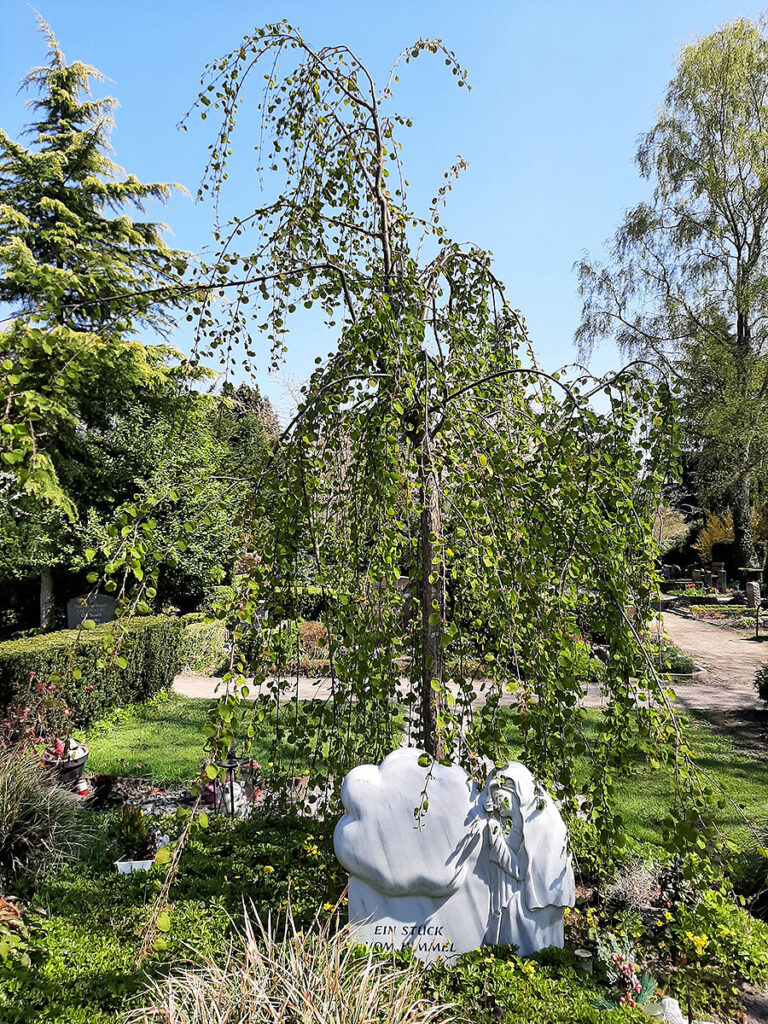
<point x="531" y="878"/>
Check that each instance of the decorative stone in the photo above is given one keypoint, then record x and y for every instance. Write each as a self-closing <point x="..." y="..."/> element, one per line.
<point x="696" y="576"/>
<point x="475" y="867"/>
<point x="98" y="608"/>
<point x="753" y="595"/>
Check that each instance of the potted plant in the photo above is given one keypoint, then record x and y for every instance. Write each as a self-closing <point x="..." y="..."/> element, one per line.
<point x="65" y="760"/>
<point x="136" y="844"/>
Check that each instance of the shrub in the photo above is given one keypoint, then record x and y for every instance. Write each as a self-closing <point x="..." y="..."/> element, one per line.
<point x="204" y="646"/>
<point x="761" y="683"/>
<point x="293" y="976"/>
<point x="151" y="650"/>
<point x="39" y="822"/>
<point x="493" y="984"/>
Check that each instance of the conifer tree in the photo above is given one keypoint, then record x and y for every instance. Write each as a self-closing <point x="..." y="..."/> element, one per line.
<point x="80" y="277"/>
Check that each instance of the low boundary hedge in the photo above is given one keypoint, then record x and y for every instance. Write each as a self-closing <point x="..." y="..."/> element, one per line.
<point x="152" y="648"/>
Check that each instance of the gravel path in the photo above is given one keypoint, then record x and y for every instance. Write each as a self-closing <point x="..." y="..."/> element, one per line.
<point x="730" y="662"/>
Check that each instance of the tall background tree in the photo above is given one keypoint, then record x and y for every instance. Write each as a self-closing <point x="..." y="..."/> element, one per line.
<point x="686" y="283"/>
<point x="80" y="279"/>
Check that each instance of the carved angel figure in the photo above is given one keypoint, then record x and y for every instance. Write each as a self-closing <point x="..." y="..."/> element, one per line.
<point x="531" y="876"/>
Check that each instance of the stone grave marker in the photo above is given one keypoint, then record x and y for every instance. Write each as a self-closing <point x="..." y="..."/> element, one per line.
<point x="753" y="595"/>
<point x="478" y="866"/>
<point x="98" y="607"/>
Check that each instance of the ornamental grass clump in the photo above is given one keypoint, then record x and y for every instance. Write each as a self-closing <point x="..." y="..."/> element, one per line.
<point x="40" y="823"/>
<point x="318" y="976"/>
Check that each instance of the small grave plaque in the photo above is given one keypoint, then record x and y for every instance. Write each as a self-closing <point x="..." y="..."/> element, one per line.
<point x="488" y="866"/>
<point x="98" y="607"/>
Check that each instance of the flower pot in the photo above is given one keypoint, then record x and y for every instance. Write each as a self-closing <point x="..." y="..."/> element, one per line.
<point x="126" y="867"/>
<point x="67" y="771"/>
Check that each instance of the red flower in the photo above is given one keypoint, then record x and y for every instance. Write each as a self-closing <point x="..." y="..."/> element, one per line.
<point x="31" y="674"/>
<point x="88" y="689"/>
<point x="52" y="688"/>
<point x="41" y="687"/>
<point x="66" y="713"/>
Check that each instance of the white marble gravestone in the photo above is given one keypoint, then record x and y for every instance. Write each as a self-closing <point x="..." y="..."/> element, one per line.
<point x="480" y="867"/>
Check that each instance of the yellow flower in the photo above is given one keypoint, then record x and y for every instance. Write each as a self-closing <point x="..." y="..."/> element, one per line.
<point x="528" y="968"/>
<point x="659" y="924"/>
<point x="667" y="915"/>
<point x="566" y="912"/>
<point x="327" y="906"/>
<point x="268" y="869"/>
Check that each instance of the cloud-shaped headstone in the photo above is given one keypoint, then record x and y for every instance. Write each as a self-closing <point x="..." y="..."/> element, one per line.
<point x="379" y="841"/>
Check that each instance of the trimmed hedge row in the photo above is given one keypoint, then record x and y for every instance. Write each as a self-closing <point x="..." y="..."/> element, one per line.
<point x="204" y="645"/>
<point x="152" y="649"/>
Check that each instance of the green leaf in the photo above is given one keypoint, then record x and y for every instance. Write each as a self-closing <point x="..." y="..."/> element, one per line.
<point x="164" y="922"/>
<point x="163" y="855"/>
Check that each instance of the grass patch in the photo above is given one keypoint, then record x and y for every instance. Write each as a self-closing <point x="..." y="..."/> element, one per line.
<point x="160" y="740"/>
<point x="646" y="796"/>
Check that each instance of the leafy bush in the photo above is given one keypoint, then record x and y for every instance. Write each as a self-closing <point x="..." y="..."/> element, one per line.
<point x="493" y="984"/>
<point x="289" y="975"/>
<point x="151" y="652"/>
<point x="204" y="645"/>
<point x="39" y="822"/>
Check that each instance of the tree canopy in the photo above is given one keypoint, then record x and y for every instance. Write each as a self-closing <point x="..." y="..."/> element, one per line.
<point x="80" y="279"/>
<point x="468" y="517"/>
<point x="686" y="283"/>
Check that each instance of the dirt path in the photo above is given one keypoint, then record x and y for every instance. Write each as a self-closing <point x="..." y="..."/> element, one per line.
<point x="729" y="660"/>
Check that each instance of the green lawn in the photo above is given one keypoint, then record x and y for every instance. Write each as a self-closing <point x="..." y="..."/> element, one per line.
<point x="159" y="740"/>
<point x="646" y="796"/>
<point x="163" y="741"/>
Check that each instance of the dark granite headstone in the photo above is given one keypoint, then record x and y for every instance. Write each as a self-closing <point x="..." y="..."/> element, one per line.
<point x="99" y="608"/>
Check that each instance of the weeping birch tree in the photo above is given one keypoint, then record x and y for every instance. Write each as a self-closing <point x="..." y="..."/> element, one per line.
<point x="472" y="521"/>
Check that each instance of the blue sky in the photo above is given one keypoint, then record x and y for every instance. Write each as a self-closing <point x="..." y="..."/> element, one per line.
<point x="560" y="93"/>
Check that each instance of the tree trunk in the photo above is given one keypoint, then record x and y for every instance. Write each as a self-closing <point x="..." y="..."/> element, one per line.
<point x="47" y="601"/>
<point x="746" y="557"/>
<point x="432" y="604"/>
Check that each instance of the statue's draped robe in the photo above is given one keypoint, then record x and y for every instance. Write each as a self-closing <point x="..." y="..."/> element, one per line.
<point x="531" y="876"/>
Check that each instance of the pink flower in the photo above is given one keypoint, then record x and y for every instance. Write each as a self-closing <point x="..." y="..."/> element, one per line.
<point x="66" y="713"/>
<point x="88" y="689"/>
<point x="52" y="688"/>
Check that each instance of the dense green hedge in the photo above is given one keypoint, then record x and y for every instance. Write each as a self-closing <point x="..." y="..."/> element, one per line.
<point x="203" y="644"/>
<point x="152" y="649"/>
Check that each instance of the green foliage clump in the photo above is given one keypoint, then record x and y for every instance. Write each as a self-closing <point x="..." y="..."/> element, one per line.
<point x="203" y="645"/>
<point x="39" y="823"/>
<point x="493" y="985"/>
<point x="761" y="683"/>
<point x="148" y="659"/>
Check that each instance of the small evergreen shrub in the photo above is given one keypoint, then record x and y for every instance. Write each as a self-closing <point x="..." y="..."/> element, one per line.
<point x="151" y="651"/>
